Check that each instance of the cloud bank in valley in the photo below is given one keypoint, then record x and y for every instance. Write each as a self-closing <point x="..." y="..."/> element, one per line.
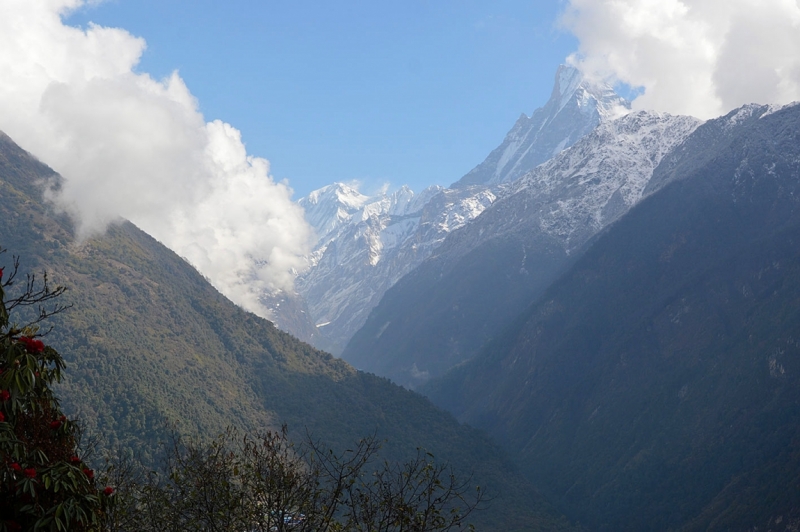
<point x="697" y="57"/>
<point x="131" y="147"/>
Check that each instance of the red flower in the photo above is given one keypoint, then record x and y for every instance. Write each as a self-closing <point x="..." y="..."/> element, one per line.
<point x="15" y="466"/>
<point x="13" y="526"/>
<point x="4" y="395"/>
<point x="2" y="417"/>
<point x="1" y="274"/>
<point x="31" y="345"/>
<point x="30" y="472"/>
<point x="74" y="460"/>
<point x="108" y="491"/>
<point x="55" y="425"/>
<point x="89" y="473"/>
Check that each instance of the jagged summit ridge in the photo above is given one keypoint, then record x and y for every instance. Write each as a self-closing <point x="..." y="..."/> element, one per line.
<point x="367" y="243"/>
<point x="329" y="207"/>
<point x="333" y="209"/>
<point x="575" y="108"/>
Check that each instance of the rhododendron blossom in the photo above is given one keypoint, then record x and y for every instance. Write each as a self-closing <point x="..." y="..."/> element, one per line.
<point x="32" y="345"/>
<point x="37" y="441"/>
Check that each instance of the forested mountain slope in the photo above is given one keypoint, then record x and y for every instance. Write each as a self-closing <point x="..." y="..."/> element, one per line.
<point x="148" y="342"/>
<point x="656" y="385"/>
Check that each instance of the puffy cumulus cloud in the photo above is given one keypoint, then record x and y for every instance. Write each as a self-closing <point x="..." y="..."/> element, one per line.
<point x="697" y="57"/>
<point x="131" y="147"/>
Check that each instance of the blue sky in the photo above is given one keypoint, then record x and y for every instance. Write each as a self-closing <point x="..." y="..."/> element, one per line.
<point x="414" y="92"/>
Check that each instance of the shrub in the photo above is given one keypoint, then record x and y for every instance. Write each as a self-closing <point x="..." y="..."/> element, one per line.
<point x="44" y="484"/>
<point x="269" y="484"/>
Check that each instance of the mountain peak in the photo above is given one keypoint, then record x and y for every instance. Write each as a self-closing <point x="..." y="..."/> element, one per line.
<point x="576" y="106"/>
<point x="329" y="207"/>
<point x="567" y="81"/>
<point x="339" y="192"/>
<point x="591" y="96"/>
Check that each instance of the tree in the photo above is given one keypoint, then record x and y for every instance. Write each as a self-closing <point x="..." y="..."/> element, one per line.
<point x="44" y="484"/>
<point x="269" y="484"/>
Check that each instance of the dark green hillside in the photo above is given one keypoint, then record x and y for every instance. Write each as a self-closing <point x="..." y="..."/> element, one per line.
<point x="656" y="386"/>
<point x="149" y="341"/>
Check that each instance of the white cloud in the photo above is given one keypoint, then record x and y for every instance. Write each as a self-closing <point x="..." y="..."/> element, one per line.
<point x="697" y="57"/>
<point x="137" y="148"/>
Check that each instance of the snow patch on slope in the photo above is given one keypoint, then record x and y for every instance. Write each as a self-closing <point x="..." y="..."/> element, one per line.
<point x="592" y="183"/>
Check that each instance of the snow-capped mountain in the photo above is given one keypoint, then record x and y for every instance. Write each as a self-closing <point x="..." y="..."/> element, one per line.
<point x="367" y="243"/>
<point x="596" y="181"/>
<point x="329" y="208"/>
<point x="575" y="108"/>
<point x="485" y="273"/>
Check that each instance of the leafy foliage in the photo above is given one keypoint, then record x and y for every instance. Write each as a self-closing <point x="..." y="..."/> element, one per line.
<point x="44" y="485"/>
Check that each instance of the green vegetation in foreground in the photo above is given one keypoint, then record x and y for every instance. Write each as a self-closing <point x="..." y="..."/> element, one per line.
<point x="44" y="483"/>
